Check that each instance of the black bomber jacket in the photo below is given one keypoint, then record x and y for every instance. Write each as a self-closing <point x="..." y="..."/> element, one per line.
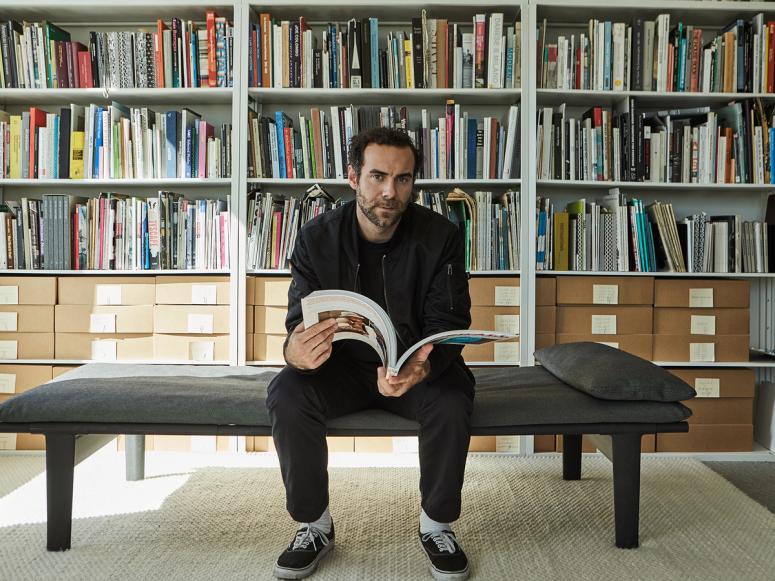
<point x="426" y="284"/>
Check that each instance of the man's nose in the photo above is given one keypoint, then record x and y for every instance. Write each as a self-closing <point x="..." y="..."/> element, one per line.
<point x="389" y="188"/>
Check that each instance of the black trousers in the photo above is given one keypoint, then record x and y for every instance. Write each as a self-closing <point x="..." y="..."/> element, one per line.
<point x="300" y="403"/>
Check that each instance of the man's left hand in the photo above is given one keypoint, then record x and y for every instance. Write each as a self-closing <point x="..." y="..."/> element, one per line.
<point x="413" y="372"/>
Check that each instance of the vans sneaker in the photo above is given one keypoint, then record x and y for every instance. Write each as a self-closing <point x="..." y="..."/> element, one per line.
<point x="303" y="554"/>
<point x="447" y="560"/>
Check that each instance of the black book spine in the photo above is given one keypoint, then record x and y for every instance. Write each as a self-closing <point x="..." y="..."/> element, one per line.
<point x="636" y="58"/>
<point x="417" y="57"/>
<point x="383" y="82"/>
<point x="10" y="71"/>
<point x="365" y="38"/>
<point x="295" y="54"/>
<point x="558" y="153"/>
<point x="676" y="152"/>
<point x="317" y="68"/>
<point x="64" y="142"/>
<point x="329" y="161"/>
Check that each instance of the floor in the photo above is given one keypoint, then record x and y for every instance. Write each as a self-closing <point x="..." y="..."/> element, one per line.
<point x="756" y="479"/>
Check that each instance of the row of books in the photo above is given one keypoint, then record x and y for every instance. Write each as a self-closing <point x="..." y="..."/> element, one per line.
<point x="490" y="227"/>
<point x="729" y="144"/>
<point x="615" y="233"/>
<point x="653" y="55"/>
<point x="41" y="55"/>
<point x="435" y="54"/>
<point x="114" y="142"/>
<point x="115" y="232"/>
<point x="455" y="146"/>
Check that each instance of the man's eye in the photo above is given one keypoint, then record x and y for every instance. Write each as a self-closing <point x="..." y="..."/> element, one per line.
<point x="404" y="179"/>
<point x="376" y="177"/>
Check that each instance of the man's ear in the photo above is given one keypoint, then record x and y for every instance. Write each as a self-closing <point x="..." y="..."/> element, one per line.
<point x="352" y="177"/>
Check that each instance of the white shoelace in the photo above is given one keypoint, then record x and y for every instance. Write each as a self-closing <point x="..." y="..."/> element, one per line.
<point x="445" y="540"/>
<point x="307" y="535"/>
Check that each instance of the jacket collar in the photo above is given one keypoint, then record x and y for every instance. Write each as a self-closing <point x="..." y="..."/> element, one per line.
<point x="351" y="238"/>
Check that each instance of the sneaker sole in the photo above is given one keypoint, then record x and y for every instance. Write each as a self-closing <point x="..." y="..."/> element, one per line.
<point x="285" y="573"/>
<point x="445" y="575"/>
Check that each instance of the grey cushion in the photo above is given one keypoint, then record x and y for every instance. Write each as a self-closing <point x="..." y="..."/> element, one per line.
<point x="609" y="373"/>
<point x="213" y="395"/>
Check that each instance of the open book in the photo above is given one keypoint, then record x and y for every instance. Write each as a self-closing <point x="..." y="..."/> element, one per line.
<point x="362" y="319"/>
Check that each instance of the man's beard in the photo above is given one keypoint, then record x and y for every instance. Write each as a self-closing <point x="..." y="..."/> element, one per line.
<point x="370" y="210"/>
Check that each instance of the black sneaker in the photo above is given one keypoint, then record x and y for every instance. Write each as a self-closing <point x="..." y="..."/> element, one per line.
<point x="448" y="561"/>
<point x="302" y="556"/>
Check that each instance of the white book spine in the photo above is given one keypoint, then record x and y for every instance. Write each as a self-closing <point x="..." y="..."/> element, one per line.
<point x="495" y="56"/>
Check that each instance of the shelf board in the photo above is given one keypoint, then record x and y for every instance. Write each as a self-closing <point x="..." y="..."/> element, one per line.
<point x="27" y="271"/>
<point x="306" y="182"/>
<point x="208" y="95"/>
<point x="265" y="271"/>
<point x="756" y="360"/>
<point x="101" y="183"/>
<point x="385" y="96"/>
<point x="125" y="362"/>
<point x="656" y="274"/>
<point x="670" y="100"/>
<point x="651" y="186"/>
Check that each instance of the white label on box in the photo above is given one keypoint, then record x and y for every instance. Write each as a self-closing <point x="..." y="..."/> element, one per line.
<point x="702" y="352"/>
<point x="507" y="444"/>
<point x="203" y="294"/>
<point x="7" y="441"/>
<point x="103" y="350"/>
<point x="703" y="325"/>
<point x="102" y="323"/>
<point x="198" y="323"/>
<point x="202" y="350"/>
<point x="506" y="296"/>
<point x="707" y="386"/>
<point x="108" y="294"/>
<point x="605" y="294"/>
<point x="203" y="443"/>
<point x="406" y="444"/>
<point x="506" y="352"/>
<point x="507" y="324"/>
<point x="9" y="295"/>
<point x="9" y="321"/>
<point x="7" y="383"/>
<point x="9" y="349"/>
<point x="701" y="298"/>
<point x="603" y="324"/>
<point x="613" y="344"/>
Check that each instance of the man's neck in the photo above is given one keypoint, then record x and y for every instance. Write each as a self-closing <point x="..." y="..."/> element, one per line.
<point x="371" y="232"/>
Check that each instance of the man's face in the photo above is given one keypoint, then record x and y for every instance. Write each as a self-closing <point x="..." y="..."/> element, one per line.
<point x="384" y="188"/>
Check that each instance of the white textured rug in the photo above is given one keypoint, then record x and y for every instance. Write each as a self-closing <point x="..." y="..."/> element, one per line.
<point x="194" y="520"/>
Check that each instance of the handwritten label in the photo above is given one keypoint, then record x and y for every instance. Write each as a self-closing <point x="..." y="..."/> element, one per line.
<point x="707" y="386"/>
<point x="507" y="444"/>
<point x="405" y="444"/>
<point x="701" y="298"/>
<point x="507" y="324"/>
<point x="9" y="295"/>
<point x="198" y="323"/>
<point x="108" y="294"/>
<point x="613" y="344"/>
<point x="506" y="352"/>
<point x="202" y="350"/>
<point x="7" y="441"/>
<point x="102" y="323"/>
<point x="603" y="324"/>
<point x="703" y="325"/>
<point x="605" y="294"/>
<point x="104" y="350"/>
<point x="9" y="349"/>
<point x="9" y="321"/>
<point x="702" y="352"/>
<point x="203" y="294"/>
<point x="506" y="296"/>
<point x="7" y="383"/>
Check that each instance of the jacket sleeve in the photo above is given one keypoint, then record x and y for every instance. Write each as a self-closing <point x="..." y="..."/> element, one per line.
<point x="447" y="305"/>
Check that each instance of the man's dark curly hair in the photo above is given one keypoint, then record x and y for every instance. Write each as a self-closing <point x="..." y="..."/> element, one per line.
<point x="381" y="136"/>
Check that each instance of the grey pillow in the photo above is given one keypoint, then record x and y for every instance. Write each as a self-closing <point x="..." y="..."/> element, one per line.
<point x="609" y="373"/>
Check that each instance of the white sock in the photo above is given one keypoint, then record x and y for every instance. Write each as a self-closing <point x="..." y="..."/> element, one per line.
<point x="428" y="525"/>
<point x="323" y="524"/>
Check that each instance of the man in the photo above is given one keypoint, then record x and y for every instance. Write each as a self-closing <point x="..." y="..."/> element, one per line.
<point x="410" y="260"/>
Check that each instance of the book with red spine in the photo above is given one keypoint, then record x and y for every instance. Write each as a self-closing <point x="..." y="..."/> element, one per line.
<point x="37" y="119"/>
<point x="158" y="52"/>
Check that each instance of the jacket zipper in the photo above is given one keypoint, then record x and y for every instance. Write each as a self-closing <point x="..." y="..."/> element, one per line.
<point x="357" y="281"/>
<point x="449" y="288"/>
<point x="385" y="296"/>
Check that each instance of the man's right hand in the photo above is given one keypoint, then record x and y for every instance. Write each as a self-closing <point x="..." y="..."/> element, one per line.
<point x="309" y="348"/>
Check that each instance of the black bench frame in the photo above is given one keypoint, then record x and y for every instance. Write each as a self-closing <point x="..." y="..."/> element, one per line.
<point x="619" y="442"/>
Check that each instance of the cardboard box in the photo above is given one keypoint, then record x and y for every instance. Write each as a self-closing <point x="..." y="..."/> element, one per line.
<point x="503" y="319"/>
<point x="104" y="319"/>
<point x="26" y="345"/>
<point x="250" y="323"/>
<point x="545" y="340"/>
<point x="256" y="443"/>
<point x="269" y="291"/>
<point x="505" y="352"/>
<point x="192" y="290"/>
<point x="268" y="347"/>
<point x="544" y="443"/>
<point x="250" y="346"/>
<point x="702" y="293"/>
<point x="250" y="290"/>
<point x="168" y="443"/>
<point x="680" y="321"/>
<point x="270" y="320"/>
<point x="709" y="438"/>
<point x="647" y="444"/>
<point x="481" y="444"/>
<point x="202" y="348"/>
<point x="373" y="445"/>
<point x="28" y="290"/>
<point x="640" y="345"/>
<point x="489" y="291"/>
<point x="605" y="320"/>
<point x="714" y="382"/>
<point x="546" y="320"/>
<point x="701" y="348"/>
<point x="727" y="410"/>
<point x="91" y="346"/>
<point x="605" y="290"/>
<point x="62" y="369"/>
<point x="16" y="379"/>
<point x="107" y="290"/>
<point x="546" y="291"/>
<point x="191" y="319"/>
<point x="27" y="318"/>
<point x="335" y="444"/>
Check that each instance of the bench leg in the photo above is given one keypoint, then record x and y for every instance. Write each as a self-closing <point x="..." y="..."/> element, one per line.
<point x="626" y="468"/>
<point x="571" y="457"/>
<point x="60" y="462"/>
<point x="134" y="454"/>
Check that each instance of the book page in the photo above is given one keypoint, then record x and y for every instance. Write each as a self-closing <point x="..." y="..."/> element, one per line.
<point x="358" y="318"/>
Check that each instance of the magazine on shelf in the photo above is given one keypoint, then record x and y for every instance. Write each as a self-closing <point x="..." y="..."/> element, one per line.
<point x="362" y="319"/>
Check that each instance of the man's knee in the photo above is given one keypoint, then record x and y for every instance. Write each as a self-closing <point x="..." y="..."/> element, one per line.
<point x="449" y="403"/>
<point x="290" y="393"/>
